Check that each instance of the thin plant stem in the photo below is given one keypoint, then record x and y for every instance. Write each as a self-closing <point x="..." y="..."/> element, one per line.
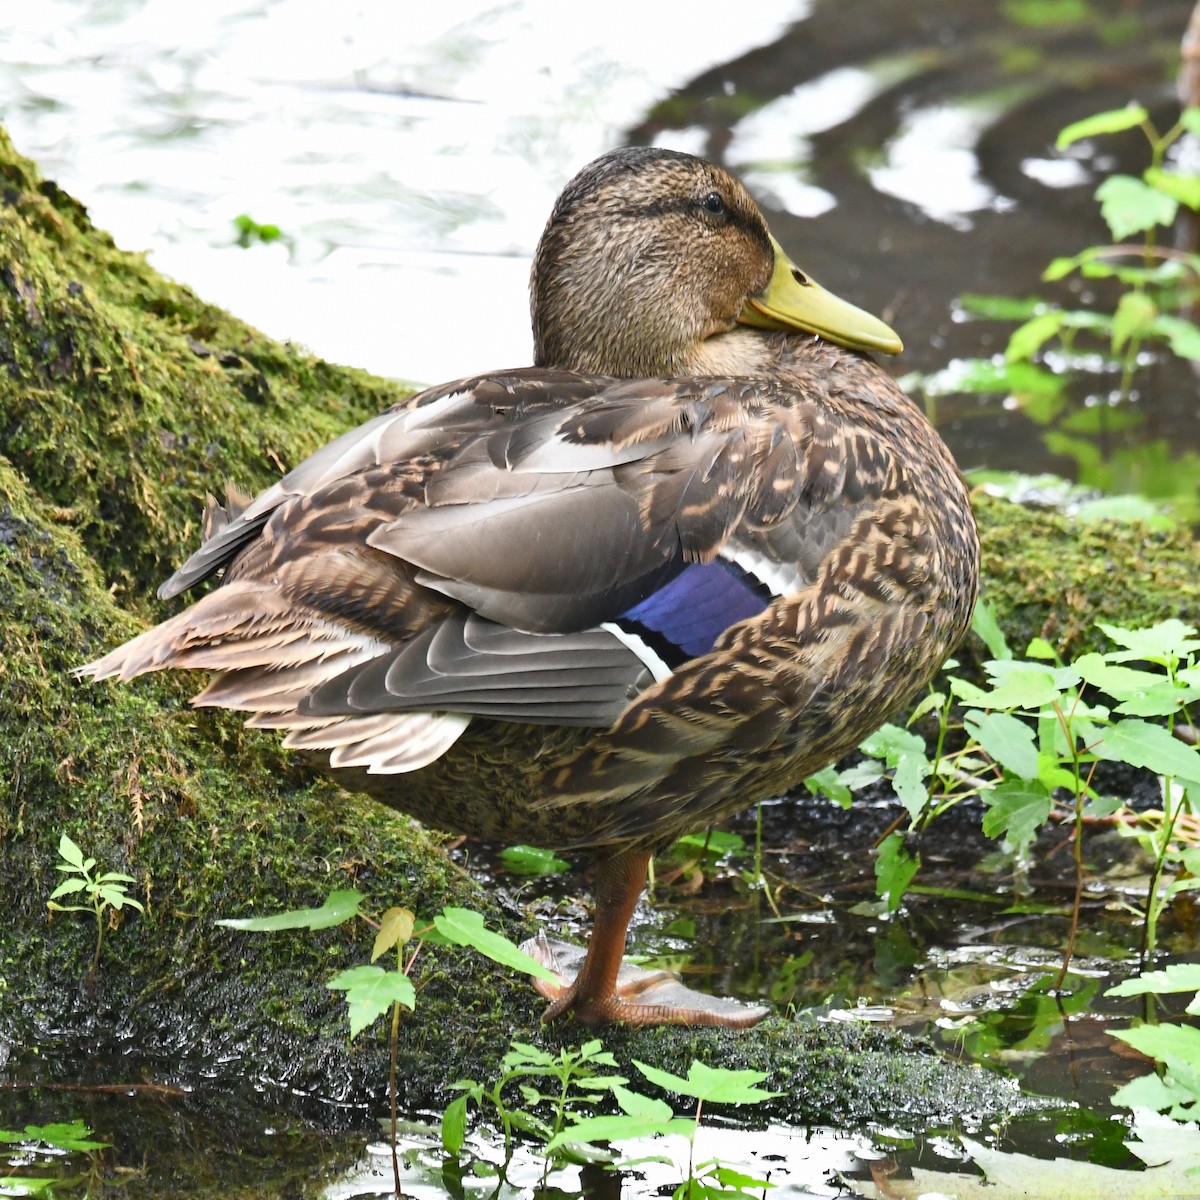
<point x="1150" y="924"/>
<point x="692" y="1149"/>
<point x="1082" y="787"/>
<point x="99" y="939"/>
<point x="392" y="1092"/>
<point x="1077" y="904"/>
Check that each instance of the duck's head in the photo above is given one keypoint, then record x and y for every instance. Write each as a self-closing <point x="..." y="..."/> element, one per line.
<point x="659" y="263"/>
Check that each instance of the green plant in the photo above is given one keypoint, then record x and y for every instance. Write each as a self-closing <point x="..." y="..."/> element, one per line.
<point x="370" y="990"/>
<point x="249" y="231"/>
<point x="104" y="893"/>
<point x="575" y="1072"/>
<point x="48" y="1143"/>
<point x="1029" y="744"/>
<point x="1138" y="293"/>
<point x="1176" y="1090"/>
<point x="642" y="1116"/>
<point x="532" y="861"/>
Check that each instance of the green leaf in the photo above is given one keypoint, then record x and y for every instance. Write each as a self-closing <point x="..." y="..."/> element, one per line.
<point x="65" y="1135"/>
<point x="984" y="623"/>
<point x="1002" y="308"/>
<point x="69" y="852"/>
<point x="1134" y="318"/>
<point x="1040" y="648"/>
<point x="614" y="1128"/>
<point x="1016" y="809"/>
<point x="861" y="774"/>
<point x="829" y="783"/>
<point x="464" y="927"/>
<point x="522" y="1054"/>
<point x="1029" y="689"/>
<point x="1114" y="121"/>
<point x="1184" y="188"/>
<point x="1008" y="740"/>
<point x="634" y="1104"/>
<point x="1163" y="274"/>
<point x="454" y="1125"/>
<point x="908" y="782"/>
<point x="1061" y="267"/>
<point x="979" y="376"/>
<point x="1026" y="340"/>
<point x="723" y="1085"/>
<point x="1182" y="335"/>
<point x="891" y="743"/>
<point x="1161" y="701"/>
<point x="1165" y="643"/>
<point x="119" y="898"/>
<point x="1170" y="1043"/>
<point x="714" y="844"/>
<point x="1178" y="977"/>
<point x="1141" y="744"/>
<point x="532" y="861"/>
<point x="339" y="906"/>
<point x="1041" y="14"/>
<point x="932" y="701"/>
<point x="1125" y="508"/>
<point x="371" y="992"/>
<point x="1052" y="774"/>
<point x="28" y="1185"/>
<point x="718" y="1085"/>
<point x="1148" y="1091"/>
<point x="395" y="929"/>
<point x="1119" y="682"/>
<point x="904" y="752"/>
<point x="1086" y="318"/>
<point x="1131" y="206"/>
<point x="894" y="870"/>
<point x="67" y="887"/>
<point x="115" y="877"/>
<point x="739" y="1181"/>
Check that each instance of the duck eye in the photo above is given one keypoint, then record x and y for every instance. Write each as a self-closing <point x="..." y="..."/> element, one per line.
<point x="714" y="204"/>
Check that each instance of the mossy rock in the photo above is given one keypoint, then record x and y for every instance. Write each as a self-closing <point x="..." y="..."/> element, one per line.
<point x="1050" y="576"/>
<point x="123" y="399"/>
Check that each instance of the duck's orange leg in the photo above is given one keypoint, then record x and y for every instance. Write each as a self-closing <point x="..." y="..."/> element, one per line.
<point x="606" y="989"/>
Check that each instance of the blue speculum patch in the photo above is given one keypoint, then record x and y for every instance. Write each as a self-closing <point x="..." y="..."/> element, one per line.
<point x="684" y="618"/>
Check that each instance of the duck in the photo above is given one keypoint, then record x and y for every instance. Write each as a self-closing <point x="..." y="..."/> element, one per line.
<point x="696" y="552"/>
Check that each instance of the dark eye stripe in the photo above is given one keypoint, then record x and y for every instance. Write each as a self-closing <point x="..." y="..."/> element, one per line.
<point x="732" y="217"/>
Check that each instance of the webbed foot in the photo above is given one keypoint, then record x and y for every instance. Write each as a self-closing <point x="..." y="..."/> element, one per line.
<point x="635" y="997"/>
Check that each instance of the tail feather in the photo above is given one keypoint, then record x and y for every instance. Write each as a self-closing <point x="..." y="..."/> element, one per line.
<point x="267" y="659"/>
<point x="238" y="626"/>
<point x="412" y="741"/>
<point x="277" y="690"/>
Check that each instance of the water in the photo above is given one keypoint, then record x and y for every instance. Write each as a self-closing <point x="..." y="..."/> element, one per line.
<point x="904" y="153"/>
<point x="409" y="155"/>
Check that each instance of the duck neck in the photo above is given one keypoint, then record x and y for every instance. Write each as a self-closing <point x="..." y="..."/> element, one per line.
<point x="743" y="352"/>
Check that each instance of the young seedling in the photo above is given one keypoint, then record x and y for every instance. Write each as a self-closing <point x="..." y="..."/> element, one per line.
<point x="103" y="893"/>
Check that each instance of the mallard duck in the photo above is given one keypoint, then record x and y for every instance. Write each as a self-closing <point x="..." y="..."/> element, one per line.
<point x="695" y="553"/>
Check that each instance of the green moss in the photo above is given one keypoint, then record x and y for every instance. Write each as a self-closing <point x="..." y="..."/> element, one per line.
<point x="209" y="819"/>
<point x="1053" y="577"/>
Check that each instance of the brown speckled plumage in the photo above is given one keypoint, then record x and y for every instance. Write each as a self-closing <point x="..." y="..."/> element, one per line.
<point x="465" y="554"/>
